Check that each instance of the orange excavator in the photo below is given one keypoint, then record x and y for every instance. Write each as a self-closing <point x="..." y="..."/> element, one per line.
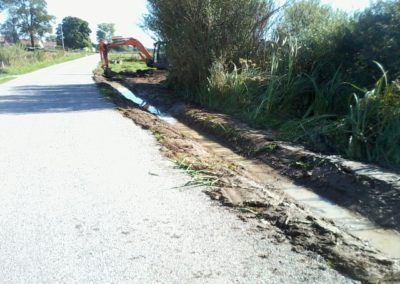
<point x="158" y="60"/>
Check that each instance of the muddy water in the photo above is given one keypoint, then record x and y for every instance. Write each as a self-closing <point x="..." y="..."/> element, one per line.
<point x="142" y="103"/>
<point x="387" y="241"/>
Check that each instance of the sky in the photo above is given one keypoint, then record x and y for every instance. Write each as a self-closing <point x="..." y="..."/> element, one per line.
<point x="127" y="15"/>
<point x="347" y="5"/>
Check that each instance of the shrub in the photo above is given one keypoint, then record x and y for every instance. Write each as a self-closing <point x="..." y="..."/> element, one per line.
<point x="374" y="123"/>
<point x="12" y="55"/>
<point x="201" y="32"/>
<point x="317" y="29"/>
<point x="225" y="56"/>
<point x="17" y="60"/>
<point x="375" y="36"/>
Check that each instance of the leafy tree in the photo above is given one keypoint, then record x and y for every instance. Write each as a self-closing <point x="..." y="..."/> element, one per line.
<point x="35" y="21"/>
<point x="331" y="40"/>
<point x="76" y="33"/>
<point x="201" y="31"/>
<point x="316" y="28"/>
<point x="375" y="37"/>
<point x="26" y="18"/>
<point x="10" y="30"/>
<point x="105" y="31"/>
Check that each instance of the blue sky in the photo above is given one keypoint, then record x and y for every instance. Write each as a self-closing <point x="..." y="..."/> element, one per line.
<point x="127" y="14"/>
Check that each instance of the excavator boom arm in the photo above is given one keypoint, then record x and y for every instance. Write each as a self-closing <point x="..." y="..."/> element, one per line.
<point x="104" y="48"/>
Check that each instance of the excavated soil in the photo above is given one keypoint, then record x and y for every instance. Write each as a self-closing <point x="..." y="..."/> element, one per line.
<point x="234" y="186"/>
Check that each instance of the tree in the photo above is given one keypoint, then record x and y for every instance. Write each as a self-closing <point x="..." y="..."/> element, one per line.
<point x="27" y="18"/>
<point x="105" y="31"/>
<point x="317" y="29"/>
<point x="198" y="32"/>
<point x="10" y="30"/>
<point x="4" y="4"/>
<point x="76" y="33"/>
<point x="376" y="37"/>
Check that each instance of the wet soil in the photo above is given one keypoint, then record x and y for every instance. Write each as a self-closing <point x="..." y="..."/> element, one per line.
<point x="236" y="186"/>
<point x="352" y="185"/>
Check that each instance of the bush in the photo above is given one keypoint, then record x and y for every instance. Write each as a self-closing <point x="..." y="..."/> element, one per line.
<point x="298" y="77"/>
<point x="201" y="32"/>
<point x="375" y="36"/>
<point x="374" y="123"/>
<point x="317" y="29"/>
<point x="16" y="60"/>
<point x="13" y="55"/>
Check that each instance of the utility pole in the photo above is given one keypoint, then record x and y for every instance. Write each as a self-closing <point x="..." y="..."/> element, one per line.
<point x="62" y="36"/>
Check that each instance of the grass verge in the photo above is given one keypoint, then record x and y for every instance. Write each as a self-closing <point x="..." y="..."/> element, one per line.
<point x="16" y="61"/>
<point x="126" y="62"/>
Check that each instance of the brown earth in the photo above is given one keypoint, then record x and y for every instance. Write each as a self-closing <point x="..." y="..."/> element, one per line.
<point x="233" y="186"/>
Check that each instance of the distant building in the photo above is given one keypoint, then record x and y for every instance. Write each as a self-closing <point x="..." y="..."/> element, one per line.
<point x="27" y="43"/>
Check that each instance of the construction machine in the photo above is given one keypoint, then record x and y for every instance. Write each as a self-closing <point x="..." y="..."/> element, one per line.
<point x="157" y="60"/>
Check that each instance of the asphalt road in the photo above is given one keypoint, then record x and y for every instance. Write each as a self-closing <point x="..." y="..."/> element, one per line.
<point x="85" y="197"/>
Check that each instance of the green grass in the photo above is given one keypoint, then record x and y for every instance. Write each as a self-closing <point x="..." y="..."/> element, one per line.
<point x="4" y="79"/>
<point x="17" y="61"/>
<point x="19" y="70"/>
<point x="128" y="62"/>
<point x="327" y="115"/>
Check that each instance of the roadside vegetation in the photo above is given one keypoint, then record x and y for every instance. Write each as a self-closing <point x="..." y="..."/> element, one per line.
<point x="126" y="62"/>
<point x="321" y="77"/>
<point x="29" y="19"/>
<point x="15" y="60"/>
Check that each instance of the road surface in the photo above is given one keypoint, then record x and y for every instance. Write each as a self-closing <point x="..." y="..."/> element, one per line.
<point x="85" y="197"/>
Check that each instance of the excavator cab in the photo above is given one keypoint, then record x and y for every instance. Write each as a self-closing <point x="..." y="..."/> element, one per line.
<point x="159" y="60"/>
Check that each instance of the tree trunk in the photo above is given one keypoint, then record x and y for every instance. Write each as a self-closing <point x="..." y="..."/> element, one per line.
<point x="32" y="40"/>
<point x="31" y="25"/>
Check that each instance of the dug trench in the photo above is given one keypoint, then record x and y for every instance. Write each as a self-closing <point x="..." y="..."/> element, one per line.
<point x="253" y="187"/>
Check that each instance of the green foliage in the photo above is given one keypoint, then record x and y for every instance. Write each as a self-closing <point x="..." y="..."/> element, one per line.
<point x="317" y="29"/>
<point x="375" y="36"/>
<point x="200" y="32"/>
<point x="76" y="33"/>
<point x="26" y="18"/>
<point x="34" y="19"/>
<point x="14" y="55"/>
<point x="17" y="60"/>
<point x="105" y="31"/>
<point x="330" y="39"/>
<point x="374" y="123"/>
<point x="293" y="78"/>
<point x="123" y="62"/>
<point x="10" y="29"/>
